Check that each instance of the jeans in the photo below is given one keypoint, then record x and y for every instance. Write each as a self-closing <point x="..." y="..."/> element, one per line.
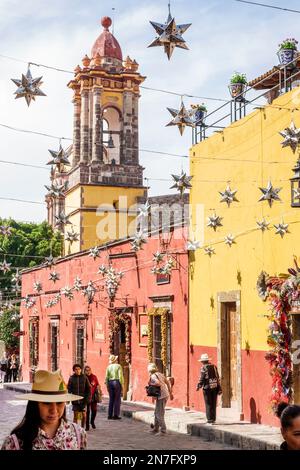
<point x="159" y="415"/>
<point x="114" y="389"/>
<point x="210" y="398"/>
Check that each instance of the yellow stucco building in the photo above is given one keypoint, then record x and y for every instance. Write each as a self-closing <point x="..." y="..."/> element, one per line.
<point x="227" y="317"/>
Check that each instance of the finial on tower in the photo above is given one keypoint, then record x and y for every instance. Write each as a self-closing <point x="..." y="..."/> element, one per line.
<point x="106" y="22"/>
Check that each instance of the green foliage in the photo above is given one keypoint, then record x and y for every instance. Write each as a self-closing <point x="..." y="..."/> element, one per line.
<point x="26" y="240"/>
<point x="9" y="323"/>
<point x="238" y="77"/>
<point x="290" y="43"/>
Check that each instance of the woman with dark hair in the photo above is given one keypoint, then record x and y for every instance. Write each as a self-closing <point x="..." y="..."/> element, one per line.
<point x="44" y="426"/>
<point x="96" y="396"/>
<point x="290" y="425"/>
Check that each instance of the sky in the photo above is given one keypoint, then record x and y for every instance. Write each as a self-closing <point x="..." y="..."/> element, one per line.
<point x="225" y="36"/>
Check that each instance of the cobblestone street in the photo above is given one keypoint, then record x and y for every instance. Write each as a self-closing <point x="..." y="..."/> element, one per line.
<point x="126" y="434"/>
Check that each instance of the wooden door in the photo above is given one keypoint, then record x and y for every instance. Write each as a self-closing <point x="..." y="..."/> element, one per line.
<point x="228" y="354"/>
<point x="120" y="351"/>
<point x="233" y="350"/>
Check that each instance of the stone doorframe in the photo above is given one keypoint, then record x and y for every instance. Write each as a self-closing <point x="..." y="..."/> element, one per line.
<point x="223" y="298"/>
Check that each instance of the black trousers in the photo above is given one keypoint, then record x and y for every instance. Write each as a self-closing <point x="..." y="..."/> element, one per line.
<point x="210" y="398"/>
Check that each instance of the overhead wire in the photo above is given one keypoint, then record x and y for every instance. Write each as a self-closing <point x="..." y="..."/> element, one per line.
<point x="268" y="6"/>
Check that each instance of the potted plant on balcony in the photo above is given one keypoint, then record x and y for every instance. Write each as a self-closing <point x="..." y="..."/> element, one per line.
<point x="198" y="113"/>
<point x="238" y="85"/>
<point x="288" y="51"/>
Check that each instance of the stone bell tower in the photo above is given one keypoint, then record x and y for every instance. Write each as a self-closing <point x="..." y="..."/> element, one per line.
<point x="104" y="162"/>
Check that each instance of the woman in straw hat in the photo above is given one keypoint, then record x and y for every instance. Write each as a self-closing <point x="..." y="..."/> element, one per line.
<point x="44" y="426"/>
<point x="158" y="379"/>
<point x="114" y="381"/>
<point x="210" y="383"/>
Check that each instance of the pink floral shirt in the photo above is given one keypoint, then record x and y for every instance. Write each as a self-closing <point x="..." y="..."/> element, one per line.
<point x="65" y="439"/>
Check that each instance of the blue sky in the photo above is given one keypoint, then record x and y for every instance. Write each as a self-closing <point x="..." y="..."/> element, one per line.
<point x="225" y="36"/>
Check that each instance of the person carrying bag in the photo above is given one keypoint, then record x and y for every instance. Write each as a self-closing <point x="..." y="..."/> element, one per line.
<point x="161" y="388"/>
<point x="210" y="383"/>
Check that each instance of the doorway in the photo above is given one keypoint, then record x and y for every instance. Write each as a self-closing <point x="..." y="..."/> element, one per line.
<point x="53" y="347"/>
<point x="119" y="349"/>
<point x="229" y="355"/>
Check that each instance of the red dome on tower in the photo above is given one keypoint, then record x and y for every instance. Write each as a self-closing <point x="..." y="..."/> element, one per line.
<point x="106" y="45"/>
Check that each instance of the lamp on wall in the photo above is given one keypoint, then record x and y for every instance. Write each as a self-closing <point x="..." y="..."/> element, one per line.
<point x="295" y="185"/>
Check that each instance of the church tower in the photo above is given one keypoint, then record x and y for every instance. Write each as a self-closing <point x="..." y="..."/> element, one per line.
<point x="104" y="179"/>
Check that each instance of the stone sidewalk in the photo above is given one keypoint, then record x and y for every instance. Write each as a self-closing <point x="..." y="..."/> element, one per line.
<point x="242" y="435"/>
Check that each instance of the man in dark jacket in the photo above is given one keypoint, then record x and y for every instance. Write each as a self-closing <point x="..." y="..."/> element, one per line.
<point x="210" y="383"/>
<point x="79" y="385"/>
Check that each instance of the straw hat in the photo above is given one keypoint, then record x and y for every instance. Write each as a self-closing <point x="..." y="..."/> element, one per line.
<point x="152" y="368"/>
<point x="204" y="358"/>
<point x="113" y="359"/>
<point x="49" y="387"/>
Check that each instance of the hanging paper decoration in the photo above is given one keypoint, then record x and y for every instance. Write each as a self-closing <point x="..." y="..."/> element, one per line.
<point x="138" y="242"/>
<point x="228" y="196"/>
<point x="61" y="220"/>
<point x="37" y="286"/>
<point x="182" y="182"/>
<point x="291" y="137"/>
<point x="158" y="257"/>
<point x="49" y="261"/>
<point x="209" y="251"/>
<point x="77" y="284"/>
<point x="262" y="285"/>
<point x="112" y="280"/>
<point x="102" y="270"/>
<point x="67" y="292"/>
<point x="28" y="87"/>
<point x="169" y="35"/>
<point x="270" y="194"/>
<point x="214" y="221"/>
<point x="16" y="278"/>
<point x="94" y="252"/>
<point x="263" y="225"/>
<point x="59" y="158"/>
<point x="89" y="292"/>
<point x="181" y="118"/>
<point x="5" y="230"/>
<point x="72" y="237"/>
<point x="282" y="229"/>
<point x="29" y="302"/>
<point x="230" y="240"/>
<point x="54" y="276"/>
<point x="144" y="210"/>
<point x="193" y="245"/>
<point x="281" y="293"/>
<point x="57" y="190"/>
<point x="5" y="267"/>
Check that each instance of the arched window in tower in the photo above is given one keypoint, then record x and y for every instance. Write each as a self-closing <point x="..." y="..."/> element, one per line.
<point x="111" y="123"/>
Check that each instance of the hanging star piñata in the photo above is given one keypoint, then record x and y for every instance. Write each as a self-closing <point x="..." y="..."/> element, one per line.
<point x="169" y="35"/>
<point x="28" y="87"/>
<point x="229" y="240"/>
<point x="77" y="284"/>
<point x="291" y="137"/>
<point x="263" y="225"/>
<point x="214" y="221"/>
<point x="54" y="276"/>
<point x="59" y="158"/>
<point x="209" y="251"/>
<point x="49" y="261"/>
<point x="94" y="252"/>
<point x="138" y="242"/>
<point x="158" y="257"/>
<point x="181" y="118"/>
<point x="37" y="286"/>
<point x="182" y="182"/>
<point x="193" y="245"/>
<point x="5" y="267"/>
<point x="72" y="237"/>
<point x="61" y="220"/>
<point x="270" y="194"/>
<point x="282" y="229"/>
<point x="67" y="292"/>
<point x="144" y="210"/>
<point x="57" y="190"/>
<point x="228" y="196"/>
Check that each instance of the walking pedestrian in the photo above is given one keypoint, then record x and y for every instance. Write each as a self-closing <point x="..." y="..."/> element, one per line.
<point x="158" y="379"/>
<point x="3" y="367"/>
<point x="79" y="384"/>
<point x="44" y="426"/>
<point x="14" y="366"/>
<point x="290" y="426"/>
<point x="96" y="395"/>
<point x="210" y="383"/>
<point x="114" y="381"/>
<point x="8" y="370"/>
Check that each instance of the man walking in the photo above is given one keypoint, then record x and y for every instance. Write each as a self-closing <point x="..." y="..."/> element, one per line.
<point x="3" y="367"/>
<point x="79" y="385"/>
<point x="210" y="383"/>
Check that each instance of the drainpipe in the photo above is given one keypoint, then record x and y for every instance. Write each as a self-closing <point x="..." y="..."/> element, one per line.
<point x="188" y="339"/>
